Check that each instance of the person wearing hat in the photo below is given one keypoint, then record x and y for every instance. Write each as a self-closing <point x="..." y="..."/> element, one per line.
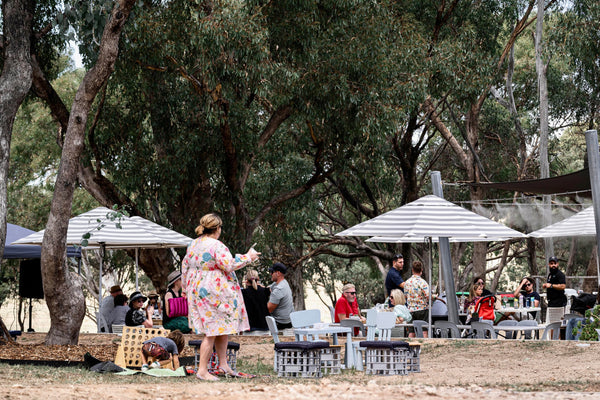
<point x="555" y="292"/>
<point x="215" y="303"/>
<point x="153" y="300"/>
<point x="136" y="315"/>
<point x="170" y="320"/>
<point x="393" y="279"/>
<point x="107" y="307"/>
<point x="281" y="302"/>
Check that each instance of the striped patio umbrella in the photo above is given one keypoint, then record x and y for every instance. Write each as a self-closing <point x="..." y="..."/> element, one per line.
<point x="580" y="224"/>
<point x="108" y="233"/>
<point x="431" y="217"/>
<point x="428" y="219"/>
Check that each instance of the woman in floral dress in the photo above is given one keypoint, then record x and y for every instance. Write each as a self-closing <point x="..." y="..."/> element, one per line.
<point x="216" y="306"/>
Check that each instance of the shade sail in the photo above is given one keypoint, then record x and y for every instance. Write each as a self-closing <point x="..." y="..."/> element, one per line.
<point x="135" y="232"/>
<point x="580" y="224"/>
<point x="16" y="232"/>
<point x="432" y="217"/>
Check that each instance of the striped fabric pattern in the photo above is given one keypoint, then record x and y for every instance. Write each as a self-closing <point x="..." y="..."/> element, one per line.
<point x="581" y="224"/>
<point x="134" y="232"/>
<point x="431" y="217"/>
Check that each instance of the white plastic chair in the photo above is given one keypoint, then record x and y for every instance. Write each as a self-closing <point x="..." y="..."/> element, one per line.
<point x="419" y="325"/>
<point x="305" y="318"/>
<point x="483" y="330"/>
<point x="371" y="328"/>
<point x="526" y="322"/>
<point x="332" y="312"/>
<point x="447" y="329"/>
<point x="275" y="333"/>
<point x="552" y="331"/>
<point x="507" y="334"/>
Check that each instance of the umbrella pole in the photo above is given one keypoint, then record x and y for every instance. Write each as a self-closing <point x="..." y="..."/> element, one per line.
<point x="430" y="282"/>
<point x="102" y="248"/>
<point x="136" y="268"/>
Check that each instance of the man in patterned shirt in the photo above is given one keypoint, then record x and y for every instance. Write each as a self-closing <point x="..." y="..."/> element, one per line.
<point x="416" y="290"/>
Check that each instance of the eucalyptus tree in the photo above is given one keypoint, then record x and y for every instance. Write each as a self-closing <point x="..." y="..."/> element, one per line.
<point x="62" y="289"/>
<point x="15" y="80"/>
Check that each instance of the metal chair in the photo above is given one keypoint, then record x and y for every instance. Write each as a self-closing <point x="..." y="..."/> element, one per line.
<point x="483" y="330"/>
<point x="447" y="329"/>
<point x="507" y="334"/>
<point x="553" y="330"/>
<point x="526" y="322"/>
<point x="419" y="325"/>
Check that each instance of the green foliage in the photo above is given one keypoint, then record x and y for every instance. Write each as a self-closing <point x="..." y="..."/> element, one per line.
<point x="587" y="330"/>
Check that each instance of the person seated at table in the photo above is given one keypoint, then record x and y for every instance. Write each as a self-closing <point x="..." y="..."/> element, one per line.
<point x="398" y="304"/>
<point x="256" y="297"/>
<point x="175" y="319"/>
<point x="525" y="288"/>
<point x="137" y="315"/>
<point x="347" y="305"/>
<point x="475" y="293"/>
<point x="119" y="311"/>
<point x="154" y="301"/>
<point x="481" y="281"/>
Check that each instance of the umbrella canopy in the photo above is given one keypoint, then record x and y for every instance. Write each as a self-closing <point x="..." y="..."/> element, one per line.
<point x="432" y="217"/>
<point x="581" y="224"/>
<point x="135" y="232"/>
<point x="16" y="232"/>
<point x="132" y="233"/>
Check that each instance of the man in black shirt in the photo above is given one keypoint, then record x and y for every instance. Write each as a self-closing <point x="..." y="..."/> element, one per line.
<point x="555" y="292"/>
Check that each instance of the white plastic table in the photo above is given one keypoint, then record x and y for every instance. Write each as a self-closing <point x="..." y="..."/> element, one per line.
<point x="330" y="330"/>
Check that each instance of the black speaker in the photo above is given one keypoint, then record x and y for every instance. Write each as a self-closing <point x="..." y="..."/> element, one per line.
<point x="30" y="279"/>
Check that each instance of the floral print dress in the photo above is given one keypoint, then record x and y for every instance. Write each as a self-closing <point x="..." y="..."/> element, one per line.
<point x="216" y="305"/>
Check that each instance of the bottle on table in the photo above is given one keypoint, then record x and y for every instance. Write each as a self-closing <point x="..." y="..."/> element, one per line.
<point x="521" y="301"/>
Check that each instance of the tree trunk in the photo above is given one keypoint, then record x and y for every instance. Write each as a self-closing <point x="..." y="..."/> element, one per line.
<point x="63" y="290"/>
<point x="15" y="82"/>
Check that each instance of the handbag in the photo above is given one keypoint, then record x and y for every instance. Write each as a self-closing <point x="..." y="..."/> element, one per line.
<point x="178" y="307"/>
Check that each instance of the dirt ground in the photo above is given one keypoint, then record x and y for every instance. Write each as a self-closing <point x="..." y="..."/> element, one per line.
<point x="451" y="369"/>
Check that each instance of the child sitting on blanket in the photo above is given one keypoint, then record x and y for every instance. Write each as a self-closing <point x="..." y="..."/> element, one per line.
<point x="162" y="348"/>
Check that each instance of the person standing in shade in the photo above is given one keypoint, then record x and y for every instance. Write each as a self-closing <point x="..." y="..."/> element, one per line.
<point x="555" y="292"/>
<point x="393" y="279"/>
<point x="108" y="305"/>
<point x="281" y="302"/>
<point x="416" y="290"/>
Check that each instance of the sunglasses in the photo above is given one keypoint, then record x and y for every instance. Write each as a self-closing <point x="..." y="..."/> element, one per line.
<point x="352" y="293"/>
<point x="527" y="284"/>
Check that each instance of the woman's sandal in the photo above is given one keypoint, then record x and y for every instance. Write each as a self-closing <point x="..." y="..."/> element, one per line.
<point x="233" y="374"/>
<point x="212" y="379"/>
